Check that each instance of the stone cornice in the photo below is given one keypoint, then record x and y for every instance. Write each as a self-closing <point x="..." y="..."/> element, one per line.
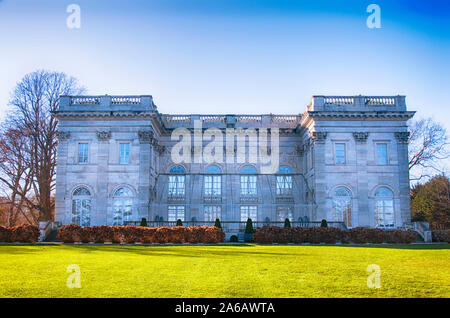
<point x="393" y="115"/>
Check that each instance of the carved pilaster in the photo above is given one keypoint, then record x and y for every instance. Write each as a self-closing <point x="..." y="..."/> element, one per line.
<point x="360" y="136"/>
<point x="402" y="137"/>
<point x="319" y="136"/>
<point x="145" y="136"/>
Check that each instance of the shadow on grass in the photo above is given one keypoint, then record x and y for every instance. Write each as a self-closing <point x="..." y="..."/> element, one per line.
<point x="195" y="251"/>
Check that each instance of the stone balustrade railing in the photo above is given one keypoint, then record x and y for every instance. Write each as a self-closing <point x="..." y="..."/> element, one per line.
<point x="106" y="101"/>
<point x="84" y="100"/>
<point x="361" y="103"/>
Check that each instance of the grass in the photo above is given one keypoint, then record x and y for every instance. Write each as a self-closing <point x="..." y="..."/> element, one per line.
<point x="225" y="271"/>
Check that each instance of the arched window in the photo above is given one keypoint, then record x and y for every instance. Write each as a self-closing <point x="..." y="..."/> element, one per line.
<point x="177" y="182"/>
<point x="213" y="181"/>
<point x="248" y="181"/>
<point x="81" y="207"/>
<point x="122" y="206"/>
<point x="284" y="181"/>
<point x="384" y="208"/>
<point x="342" y="206"/>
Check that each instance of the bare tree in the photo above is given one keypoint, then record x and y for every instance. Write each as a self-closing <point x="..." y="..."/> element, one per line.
<point x="16" y="175"/>
<point x="428" y="147"/>
<point x="33" y="100"/>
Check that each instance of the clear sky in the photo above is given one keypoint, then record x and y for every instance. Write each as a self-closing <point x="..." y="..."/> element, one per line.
<point x="235" y="56"/>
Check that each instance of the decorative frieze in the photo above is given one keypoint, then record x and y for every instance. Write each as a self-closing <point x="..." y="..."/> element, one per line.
<point x="402" y="136"/>
<point x="63" y="135"/>
<point x="360" y="136"/>
<point x="103" y="135"/>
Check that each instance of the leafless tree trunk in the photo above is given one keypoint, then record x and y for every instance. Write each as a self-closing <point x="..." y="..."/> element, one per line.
<point x="15" y="173"/>
<point x="428" y="147"/>
<point x="33" y="100"/>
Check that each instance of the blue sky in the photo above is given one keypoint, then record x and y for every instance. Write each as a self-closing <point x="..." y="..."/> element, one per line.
<point x="229" y="56"/>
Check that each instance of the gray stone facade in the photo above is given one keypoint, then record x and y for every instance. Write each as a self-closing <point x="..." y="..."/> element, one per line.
<point x="346" y="160"/>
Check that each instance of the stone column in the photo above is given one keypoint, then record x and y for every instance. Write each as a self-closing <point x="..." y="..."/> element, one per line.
<point x="101" y="200"/>
<point x="403" y="173"/>
<point x="61" y="215"/>
<point x="146" y="139"/>
<point x="363" y="215"/>
<point x="320" y="183"/>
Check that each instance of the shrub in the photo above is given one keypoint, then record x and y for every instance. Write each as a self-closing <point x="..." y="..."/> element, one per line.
<point x="5" y="234"/>
<point x="249" y="227"/>
<point x="234" y="239"/>
<point x="143" y="222"/>
<point x="287" y="223"/>
<point x="323" y="223"/>
<point x="24" y="233"/>
<point x="217" y="224"/>
<point x="441" y="236"/>
<point x="179" y="222"/>
<point x="70" y="233"/>
<point x="331" y="235"/>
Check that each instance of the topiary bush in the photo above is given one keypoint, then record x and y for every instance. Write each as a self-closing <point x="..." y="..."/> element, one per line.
<point x="249" y="227"/>
<point x="217" y="224"/>
<point x="323" y="223"/>
<point x="179" y="222"/>
<point x="143" y="222"/>
<point x="287" y="223"/>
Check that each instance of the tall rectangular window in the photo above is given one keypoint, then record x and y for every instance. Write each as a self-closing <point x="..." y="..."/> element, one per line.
<point x="340" y="153"/>
<point x="213" y="212"/>
<point x="248" y="185"/>
<point x="213" y="185"/>
<point x="249" y="211"/>
<point x="83" y="153"/>
<point x="284" y="185"/>
<point x="284" y="212"/>
<point x="382" y="154"/>
<point x="175" y="212"/>
<point x="124" y="153"/>
<point x="176" y="185"/>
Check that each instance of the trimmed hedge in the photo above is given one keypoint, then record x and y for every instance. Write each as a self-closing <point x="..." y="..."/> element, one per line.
<point x="137" y="234"/>
<point x="441" y="236"/>
<point x="23" y="234"/>
<point x="331" y="235"/>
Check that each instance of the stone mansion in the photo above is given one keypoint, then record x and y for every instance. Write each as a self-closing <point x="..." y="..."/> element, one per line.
<point x="344" y="159"/>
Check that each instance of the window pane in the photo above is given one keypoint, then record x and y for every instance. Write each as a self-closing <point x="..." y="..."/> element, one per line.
<point x="83" y="153"/>
<point x="249" y="211"/>
<point x="382" y="154"/>
<point x="124" y="153"/>
<point x="340" y="153"/>
<point x="212" y="213"/>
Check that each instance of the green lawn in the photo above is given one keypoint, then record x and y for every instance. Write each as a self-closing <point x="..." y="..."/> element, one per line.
<point x="225" y="271"/>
